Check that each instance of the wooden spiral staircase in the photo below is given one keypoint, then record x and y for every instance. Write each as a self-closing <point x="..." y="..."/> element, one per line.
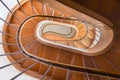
<point x="73" y="48"/>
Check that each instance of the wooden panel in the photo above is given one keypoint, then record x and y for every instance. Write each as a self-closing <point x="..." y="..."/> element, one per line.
<point x="106" y="8"/>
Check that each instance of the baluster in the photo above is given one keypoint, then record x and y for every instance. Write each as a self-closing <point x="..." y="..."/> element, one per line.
<point x="10" y="11"/>
<point x="46" y="72"/>
<point x="24" y="71"/>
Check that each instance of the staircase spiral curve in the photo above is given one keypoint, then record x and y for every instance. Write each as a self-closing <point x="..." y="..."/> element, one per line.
<point x="50" y="44"/>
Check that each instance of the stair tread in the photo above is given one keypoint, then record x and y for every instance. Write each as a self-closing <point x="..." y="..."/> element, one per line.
<point x="19" y="15"/>
<point x="105" y="65"/>
<point x="87" y="41"/>
<point x="36" y="4"/>
<point x="113" y="56"/>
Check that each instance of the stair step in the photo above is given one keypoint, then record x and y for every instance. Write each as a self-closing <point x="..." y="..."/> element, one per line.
<point x="58" y="14"/>
<point x="26" y="29"/>
<point x="30" y="50"/>
<point x="65" y="57"/>
<point x="36" y="4"/>
<point x="78" y="60"/>
<point x="50" y="53"/>
<point x="27" y="8"/>
<point x="87" y="41"/>
<point x="29" y="62"/>
<point x="43" y="68"/>
<point x="91" y="33"/>
<point x="46" y="53"/>
<point x="76" y="76"/>
<point x="105" y="65"/>
<point x="18" y="57"/>
<point x="48" y="10"/>
<point x="31" y="24"/>
<point x="20" y="15"/>
<point x="12" y="30"/>
<point x="113" y="56"/>
<point x="77" y="44"/>
<point x="59" y="74"/>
